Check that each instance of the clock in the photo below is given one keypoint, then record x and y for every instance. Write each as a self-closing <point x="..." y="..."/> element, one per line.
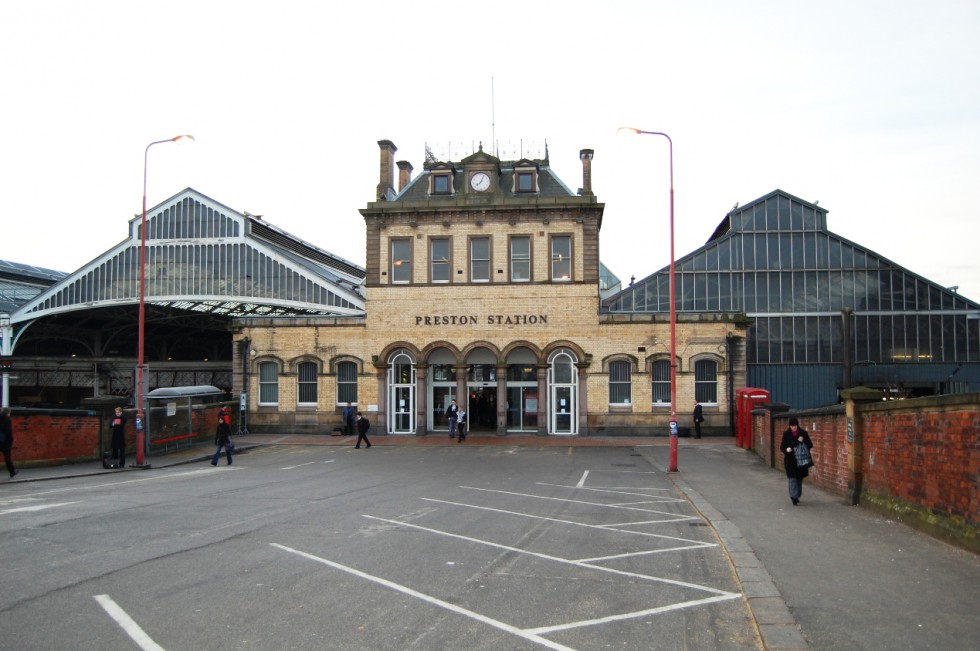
<point x="480" y="182"/>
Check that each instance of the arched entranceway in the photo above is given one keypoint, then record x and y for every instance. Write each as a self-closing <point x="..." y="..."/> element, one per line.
<point x="481" y="390"/>
<point x="522" y="391"/>
<point x="401" y="393"/>
<point x="442" y="387"/>
<point x="562" y="392"/>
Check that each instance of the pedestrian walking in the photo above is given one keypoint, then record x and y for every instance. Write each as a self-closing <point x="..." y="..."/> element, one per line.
<point x="452" y="415"/>
<point x="222" y="439"/>
<point x="461" y="426"/>
<point x="7" y="440"/>
<point x="349" y="416"/>
<point x="363" y="425"/>
<point x="698" y="419"/>
<point x="118" y="441"/>
<point x="797" y="459"/>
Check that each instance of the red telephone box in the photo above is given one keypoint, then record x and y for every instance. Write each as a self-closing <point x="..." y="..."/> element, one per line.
<point x="746" y="400"/>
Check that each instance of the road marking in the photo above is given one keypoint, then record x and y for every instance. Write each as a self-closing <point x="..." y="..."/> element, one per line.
<point x="155" y="477"/>
<point x="698" y="543"/>
<point x="429" y="599"/>
<point x="309" y="463"/>
<point x="625" y="490"/>
<point x="36" y="507"/>
<point x="581" y="482"/>
<point x="625" y="616"/>
<point x="563" y="499"/>
<point x="647" y="552"/>
<point x="558" y="559"/>
<point x="127" y="624"/>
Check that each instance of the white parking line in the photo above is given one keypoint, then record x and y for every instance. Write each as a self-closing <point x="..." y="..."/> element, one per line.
<point x="565" y="499"/>
<point x="429" y="599"/>
<point x="695" y="543"/>
<point x="154" y="477"/>
<point x="613" y="489"/>
<point x="127" y="624"/>
<point x="558" y="559"/>
<point x="581" y="482"/>
<point x="308" y="463"/>
<point x="634" y="615"/>
<point x="36" y="507"/>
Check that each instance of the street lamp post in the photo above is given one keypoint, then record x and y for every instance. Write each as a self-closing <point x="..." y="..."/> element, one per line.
<point x="140" y="367"/>
<point x="673" y="306"/>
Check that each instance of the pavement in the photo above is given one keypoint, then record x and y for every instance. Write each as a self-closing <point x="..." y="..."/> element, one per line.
<point x="821" y="575"/>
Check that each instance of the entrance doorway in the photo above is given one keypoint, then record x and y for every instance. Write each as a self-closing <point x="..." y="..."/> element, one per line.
<point x="481" y="409"/>
<point x="562" y="393"/>
<point x="442" y="390"/>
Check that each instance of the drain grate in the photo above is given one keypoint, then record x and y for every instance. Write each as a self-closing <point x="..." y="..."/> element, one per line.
<point x="625" y="465"/>
<point x="697" y="524"/>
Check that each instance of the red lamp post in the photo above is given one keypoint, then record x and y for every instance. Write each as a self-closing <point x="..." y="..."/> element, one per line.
<point x="140" y="367"/>
<point x="673" y="306"/>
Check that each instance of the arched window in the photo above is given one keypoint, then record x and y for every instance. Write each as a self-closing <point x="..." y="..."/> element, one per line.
<point x="660" y="373"/>
<point x="620" y="383"/>
<point x="306" y="383"/>
<point x="706" y="381"/>
<point x="268" y="383"/>
<point x="346" y="383"/>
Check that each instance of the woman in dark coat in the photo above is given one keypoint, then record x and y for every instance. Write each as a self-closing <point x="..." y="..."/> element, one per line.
<point x="793" y="437"/>
<point x="222" y="438"/>
<point x="118" y="441"/>
<point x="7" y="439"/>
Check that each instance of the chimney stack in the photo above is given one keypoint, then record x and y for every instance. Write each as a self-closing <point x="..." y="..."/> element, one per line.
<point x="404" y="174"/>
<point x="386" y="185"/>
<point x="586" y="156"/>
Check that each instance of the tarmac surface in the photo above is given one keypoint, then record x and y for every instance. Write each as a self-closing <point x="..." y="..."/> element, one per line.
<point x="821" y="575"/>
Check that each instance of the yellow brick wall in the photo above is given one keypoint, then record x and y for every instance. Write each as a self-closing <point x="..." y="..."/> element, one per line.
<point x="571" y="316"/>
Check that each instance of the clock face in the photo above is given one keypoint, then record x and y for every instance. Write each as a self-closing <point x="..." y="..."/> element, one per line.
<point x="480" y="182"/>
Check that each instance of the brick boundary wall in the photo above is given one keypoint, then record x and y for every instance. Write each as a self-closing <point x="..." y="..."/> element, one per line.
<point x="917" y="461"/>
<point x="52" y="437"/>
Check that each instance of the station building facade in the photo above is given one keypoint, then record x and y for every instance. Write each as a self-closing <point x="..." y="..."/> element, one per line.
<point x="482" y="285"/>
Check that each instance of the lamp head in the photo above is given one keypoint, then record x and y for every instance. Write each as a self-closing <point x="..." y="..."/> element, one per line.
<point x="628" y="129"/>
<point x="182" y="137"/>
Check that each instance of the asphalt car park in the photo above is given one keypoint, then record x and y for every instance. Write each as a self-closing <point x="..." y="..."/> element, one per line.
<point x="446" y="547"/>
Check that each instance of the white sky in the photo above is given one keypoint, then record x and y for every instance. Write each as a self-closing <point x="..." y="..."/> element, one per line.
<point x="871" y="108"/>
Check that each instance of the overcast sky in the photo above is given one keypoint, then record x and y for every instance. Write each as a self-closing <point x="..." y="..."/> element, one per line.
<point x="871" y="108"/>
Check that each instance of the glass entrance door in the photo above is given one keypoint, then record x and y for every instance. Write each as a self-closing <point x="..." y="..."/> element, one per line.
<point x="441" y="397"/>
<point x="402" y="411"/>
<point x="563" y="412"/>
<point x="522" y="408"/>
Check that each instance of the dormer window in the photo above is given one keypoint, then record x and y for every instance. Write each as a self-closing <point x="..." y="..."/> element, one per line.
<point x="441" y="183"/>
<point x="525" y="181"/>
<point x="441" y="180"/>
<point x="525" y="177"/>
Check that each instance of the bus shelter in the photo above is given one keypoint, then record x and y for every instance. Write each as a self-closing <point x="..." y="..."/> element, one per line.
<point x="179" y="417"/>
